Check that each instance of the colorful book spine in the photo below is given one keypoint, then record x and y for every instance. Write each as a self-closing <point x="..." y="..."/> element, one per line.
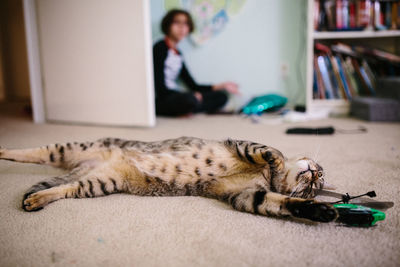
<point x="363" y="85"/>
<point x="343" y="71"/>
<point x="344" y="15"/>
<point x="316" y="14"/>
<point x="339" y="15"/>
<point x="367" y="81"/>
<point x="388" y="15"/>
<point x="343" y="78"/>
<point x="340" y="86"/>
<point x="352" y="14"/>
<point x="393" y="25"/>
<point x="370" y="75"/>
<point x="352" y="76"/>
<point x="320" y="83"/>
<point x="325" y="77"/>
<point x="332" y="77"/>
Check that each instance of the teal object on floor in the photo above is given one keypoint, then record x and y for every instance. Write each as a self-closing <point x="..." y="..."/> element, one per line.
<point x="269" y="102"/>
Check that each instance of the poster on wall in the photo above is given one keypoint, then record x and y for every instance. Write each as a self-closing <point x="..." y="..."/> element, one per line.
<point x="210" y="16"/>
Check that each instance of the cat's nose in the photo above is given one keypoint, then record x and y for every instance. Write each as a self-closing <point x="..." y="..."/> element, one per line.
<point x="314" y="174"/>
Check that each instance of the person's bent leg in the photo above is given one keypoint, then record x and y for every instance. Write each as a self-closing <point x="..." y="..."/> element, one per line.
<point x="213" y="101"/>
<point x="176" y="104"/>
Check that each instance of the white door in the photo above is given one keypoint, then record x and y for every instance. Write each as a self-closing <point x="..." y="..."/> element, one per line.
<point x="96" y="61"/>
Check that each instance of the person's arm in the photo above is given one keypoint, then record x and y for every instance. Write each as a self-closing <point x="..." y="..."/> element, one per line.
<point x="160" y="53"/>
<point x="190" y="82"/>
<point x="187" y="78"/>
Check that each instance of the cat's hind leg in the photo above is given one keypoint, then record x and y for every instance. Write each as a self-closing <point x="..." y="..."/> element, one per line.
<point x="70" y="177"/>
<point x="65" y="155"/>
<point x="93" y="184"/>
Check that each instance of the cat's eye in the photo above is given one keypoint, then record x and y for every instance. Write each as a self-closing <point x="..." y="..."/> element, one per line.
<point x="320" y="174"/>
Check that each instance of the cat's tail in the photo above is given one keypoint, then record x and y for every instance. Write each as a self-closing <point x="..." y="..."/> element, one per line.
<point x="56" y="155"/>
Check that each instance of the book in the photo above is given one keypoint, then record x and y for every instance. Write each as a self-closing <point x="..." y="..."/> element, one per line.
<point x="339" y="15"/>
<point x="340" y="86"/>
<point x="370" y="75"/>
<point x="325" y="77"/>
<point x="378" y="16"/>
<point x="393" y="24"/>
<point x="345" y="15"/>
<point x="342" y="71"/>
<point x="316" y="14"/>
<point x="363" y="85"/>
<point x="348" y="76"/>
<point x="315" y="85"/>
<point x="352" y="76"/>
<point x="352" y="14"/>
<point x="332" y="77"/>
<point x="344" y="49"/>
<point x="398" y="16"/>
<point x="388" y="14"/>
<point x="320" y="84"/>
<point x="330" y="11"/>
<point x="367" y="81"/>
<point x="343" y="78"/>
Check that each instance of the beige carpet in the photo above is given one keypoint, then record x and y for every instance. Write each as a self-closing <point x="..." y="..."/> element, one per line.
<point x="127" y="230"/>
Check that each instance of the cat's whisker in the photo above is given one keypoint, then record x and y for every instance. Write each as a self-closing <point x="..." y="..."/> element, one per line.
<point x="315" y="158"/>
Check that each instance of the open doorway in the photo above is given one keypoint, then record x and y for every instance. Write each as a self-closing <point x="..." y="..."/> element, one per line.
<point x="15" y="94"/>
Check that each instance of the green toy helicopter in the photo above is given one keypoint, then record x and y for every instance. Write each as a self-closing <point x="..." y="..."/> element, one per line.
<point x="351" y="214"/>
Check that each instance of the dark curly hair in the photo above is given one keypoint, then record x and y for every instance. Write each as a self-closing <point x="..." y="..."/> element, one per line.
<point x="169" y="19"/>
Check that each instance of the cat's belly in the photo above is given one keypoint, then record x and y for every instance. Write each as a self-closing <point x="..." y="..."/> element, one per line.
<point x="187" y="166"/>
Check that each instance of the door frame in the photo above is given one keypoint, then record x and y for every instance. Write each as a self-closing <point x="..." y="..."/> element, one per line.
<point x="34" y="65"/>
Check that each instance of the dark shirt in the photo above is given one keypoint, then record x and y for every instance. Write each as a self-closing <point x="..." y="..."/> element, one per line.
<point x="160" y="53"/>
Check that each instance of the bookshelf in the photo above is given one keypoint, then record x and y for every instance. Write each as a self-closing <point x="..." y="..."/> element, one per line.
<point x="354" y="35"/>
<point x="338" y="106"/>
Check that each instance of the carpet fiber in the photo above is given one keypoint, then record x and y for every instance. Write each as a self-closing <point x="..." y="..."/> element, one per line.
<point x="128" y="230"/>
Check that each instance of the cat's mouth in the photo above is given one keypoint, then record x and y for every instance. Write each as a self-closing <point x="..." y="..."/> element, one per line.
<point x="315" y="174"/>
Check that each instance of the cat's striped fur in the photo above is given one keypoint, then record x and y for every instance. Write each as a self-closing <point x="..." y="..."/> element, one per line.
<point x="251" y="177"/>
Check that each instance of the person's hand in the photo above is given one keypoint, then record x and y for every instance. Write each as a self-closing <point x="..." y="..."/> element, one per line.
<point x="230" y="87"/>
<point x="198" y="96"/>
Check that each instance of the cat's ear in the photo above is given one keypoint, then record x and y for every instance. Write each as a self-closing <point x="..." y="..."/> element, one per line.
<point x="329" y="186"/>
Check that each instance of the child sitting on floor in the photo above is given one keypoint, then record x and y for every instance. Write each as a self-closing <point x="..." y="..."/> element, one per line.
<point x="169" y="66"/>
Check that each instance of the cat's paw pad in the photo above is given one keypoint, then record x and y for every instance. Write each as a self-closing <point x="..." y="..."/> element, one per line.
<point x="34" y="202"/>
<point x="314" y="211"/>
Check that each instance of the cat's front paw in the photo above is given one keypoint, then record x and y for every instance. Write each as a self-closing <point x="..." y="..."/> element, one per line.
<point x="275" y="159"/>
<point x="311" y="210"/>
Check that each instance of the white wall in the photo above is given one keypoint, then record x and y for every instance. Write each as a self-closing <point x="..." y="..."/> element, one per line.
<point x="251" y="49"/>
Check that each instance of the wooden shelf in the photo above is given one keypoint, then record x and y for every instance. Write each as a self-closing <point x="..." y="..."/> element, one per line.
<point x="331" y="102"/>
<point x="332" y="106"/>
<point x="338" y="106"/>
<point x="356" y="34"/>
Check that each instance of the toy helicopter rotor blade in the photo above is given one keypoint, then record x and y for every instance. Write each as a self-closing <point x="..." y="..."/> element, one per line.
<point x="379" y="205"/>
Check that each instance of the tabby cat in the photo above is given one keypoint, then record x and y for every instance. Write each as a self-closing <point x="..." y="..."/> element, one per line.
<point x="249" y="176"/>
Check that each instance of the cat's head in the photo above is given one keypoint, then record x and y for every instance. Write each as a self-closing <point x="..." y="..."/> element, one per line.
<point x="301" y="177"/>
